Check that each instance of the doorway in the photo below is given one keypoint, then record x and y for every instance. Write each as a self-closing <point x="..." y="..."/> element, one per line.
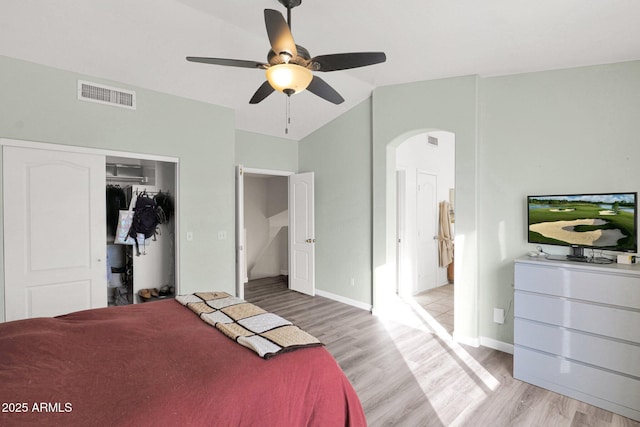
<point x="275" y="228"/>
<point x="425" y="177"/>
<point x="266" y="225"/>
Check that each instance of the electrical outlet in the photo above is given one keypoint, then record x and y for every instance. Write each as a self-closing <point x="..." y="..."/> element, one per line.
<point x="189" y="236"/>
<point x="498" y="315"/>
<point x="353" y="281"/>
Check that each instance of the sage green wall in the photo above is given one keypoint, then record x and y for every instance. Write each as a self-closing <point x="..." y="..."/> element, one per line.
<point x="339" y="154"/>
<point x="567" y="131"/>
<point x="39" y="103"/>
<point x="258" y="151"/>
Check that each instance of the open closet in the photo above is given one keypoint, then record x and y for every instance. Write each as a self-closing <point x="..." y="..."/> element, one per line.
<point x="59" y="251"/>
<point x="146" y="271"/>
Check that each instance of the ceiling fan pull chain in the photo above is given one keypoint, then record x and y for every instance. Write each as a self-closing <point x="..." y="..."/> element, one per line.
<point x="288" y="115"/>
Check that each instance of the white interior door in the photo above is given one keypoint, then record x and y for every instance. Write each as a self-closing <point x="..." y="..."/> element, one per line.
<point x="54" y="232"/>
<point x="241" y="255"/>
<point x="403" y="261"/>
<point x="427" y="225"/>
<point x="301" y="234"/>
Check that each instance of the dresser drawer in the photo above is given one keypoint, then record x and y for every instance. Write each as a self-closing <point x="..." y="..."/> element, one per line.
<point x="593" y="318"/>
<point x="611" y="287"/>
<point x="619" y="356"/>
<point x="605" y="389"/>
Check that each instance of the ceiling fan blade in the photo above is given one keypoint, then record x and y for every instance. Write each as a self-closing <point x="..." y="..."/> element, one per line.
<point x="344" y="61"/>
<point x="279" y="33"/>
<point x="324" y="91"/>
<point x="227" y="62"/>
<point x="262" y="92"/>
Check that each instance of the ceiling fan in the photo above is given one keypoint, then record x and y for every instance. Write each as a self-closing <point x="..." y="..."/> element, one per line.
<point x="289" y="66"/>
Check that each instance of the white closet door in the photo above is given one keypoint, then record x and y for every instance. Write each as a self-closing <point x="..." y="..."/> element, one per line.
<point x="54" y="232"/>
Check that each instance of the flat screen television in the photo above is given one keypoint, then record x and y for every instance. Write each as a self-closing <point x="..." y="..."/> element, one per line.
<point x="606" y="221"/>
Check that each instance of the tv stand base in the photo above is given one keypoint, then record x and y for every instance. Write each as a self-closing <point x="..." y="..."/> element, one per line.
<point x="574" y="258"/>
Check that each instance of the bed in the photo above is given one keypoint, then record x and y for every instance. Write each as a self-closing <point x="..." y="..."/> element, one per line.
<point x="159" y="364"/>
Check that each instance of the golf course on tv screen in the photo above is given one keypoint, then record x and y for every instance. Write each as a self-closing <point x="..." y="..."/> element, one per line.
<point x="604" y="221"/>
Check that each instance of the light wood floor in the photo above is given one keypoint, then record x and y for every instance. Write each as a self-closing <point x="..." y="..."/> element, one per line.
<point x="407" y="374"/>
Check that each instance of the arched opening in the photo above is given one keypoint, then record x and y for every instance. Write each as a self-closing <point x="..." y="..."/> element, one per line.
<point x="400" y="112"/>
<point x="425" y="198"/>
<point x="422" y="166"/>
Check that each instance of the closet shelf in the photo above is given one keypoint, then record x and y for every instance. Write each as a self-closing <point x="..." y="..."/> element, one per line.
<point x="127" y="173"/>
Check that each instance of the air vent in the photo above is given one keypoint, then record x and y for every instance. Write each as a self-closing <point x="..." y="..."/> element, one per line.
<point x="432" y="141"/>
<point x="93" y="92"/>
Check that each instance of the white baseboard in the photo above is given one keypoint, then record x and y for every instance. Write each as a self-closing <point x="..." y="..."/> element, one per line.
<point x="496" y="345"/>
<point x="484" y="342"/>
<point x="343" y="300"/>
<point x="473" y="342"/>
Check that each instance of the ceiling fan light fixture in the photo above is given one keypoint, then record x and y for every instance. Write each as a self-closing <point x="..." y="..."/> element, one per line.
<point x="289" y="78"/>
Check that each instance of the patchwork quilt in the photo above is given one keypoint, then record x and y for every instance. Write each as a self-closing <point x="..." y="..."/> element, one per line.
<point x="265" y="333"/>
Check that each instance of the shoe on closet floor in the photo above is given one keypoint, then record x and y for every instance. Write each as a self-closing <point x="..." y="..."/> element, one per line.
<point x="145" y="294"/>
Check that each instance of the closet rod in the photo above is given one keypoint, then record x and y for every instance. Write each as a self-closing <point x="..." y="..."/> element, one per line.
<point x="140" y="179"/>
<point x="152" y="193"/>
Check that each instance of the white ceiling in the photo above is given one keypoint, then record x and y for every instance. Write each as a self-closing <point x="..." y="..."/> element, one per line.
<point x="144" y="43"/>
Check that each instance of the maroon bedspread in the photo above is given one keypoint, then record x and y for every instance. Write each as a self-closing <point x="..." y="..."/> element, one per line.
<point x="158" y="364"/>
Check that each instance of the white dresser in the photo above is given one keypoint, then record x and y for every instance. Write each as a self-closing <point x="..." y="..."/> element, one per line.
<point x="577" y="331"/>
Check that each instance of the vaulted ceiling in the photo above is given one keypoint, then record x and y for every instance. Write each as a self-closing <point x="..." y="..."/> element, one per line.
<point x="145" y="42"/>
